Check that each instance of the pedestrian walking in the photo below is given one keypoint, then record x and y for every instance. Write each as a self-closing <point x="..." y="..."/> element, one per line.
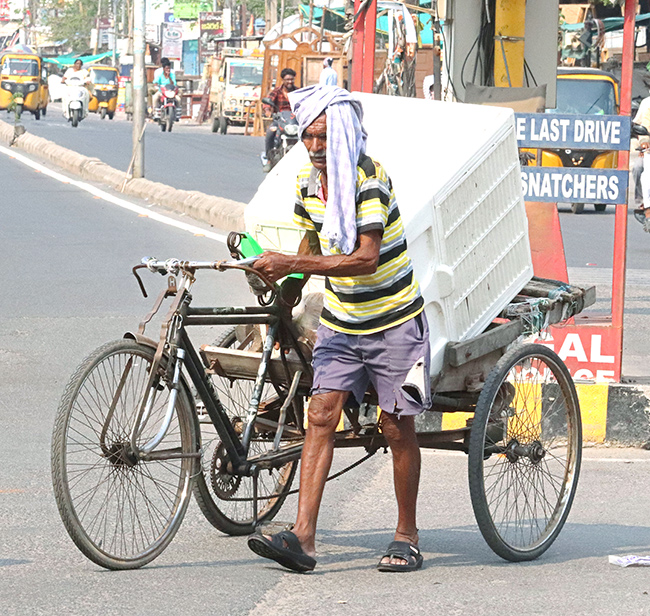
<point x="372" y="331"/>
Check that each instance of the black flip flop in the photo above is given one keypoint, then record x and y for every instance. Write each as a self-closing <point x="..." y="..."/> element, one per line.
<point x="404" y="550"/>
<point x="284" y="548"/>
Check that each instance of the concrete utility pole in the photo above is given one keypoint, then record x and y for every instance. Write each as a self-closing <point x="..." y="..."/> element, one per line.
<point x="114" y="19"/>
<point x="139" y="88"/>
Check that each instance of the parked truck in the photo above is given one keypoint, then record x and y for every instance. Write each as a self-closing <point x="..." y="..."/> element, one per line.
<point x="236" y="86"/>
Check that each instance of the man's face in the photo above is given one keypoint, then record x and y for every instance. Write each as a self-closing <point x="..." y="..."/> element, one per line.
<point x="315" y="140"/>
<point x="287" y="82"/>
<point x="77" y="65"/>
<point x="166" y="70"/>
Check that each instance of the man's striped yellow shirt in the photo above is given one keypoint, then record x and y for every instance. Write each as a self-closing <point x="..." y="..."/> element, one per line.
<point x="370" y="303"/>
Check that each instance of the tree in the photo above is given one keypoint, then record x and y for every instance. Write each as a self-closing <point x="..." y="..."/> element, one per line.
<point x="72" y="21"/>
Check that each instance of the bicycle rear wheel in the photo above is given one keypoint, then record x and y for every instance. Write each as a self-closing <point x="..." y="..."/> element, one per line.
<point x="119" y="510"/>
<point x="524" y="452"/>
<point x="226" y="499"/>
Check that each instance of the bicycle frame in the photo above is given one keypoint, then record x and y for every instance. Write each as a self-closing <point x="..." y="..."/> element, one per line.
<point x="180" y="352"/>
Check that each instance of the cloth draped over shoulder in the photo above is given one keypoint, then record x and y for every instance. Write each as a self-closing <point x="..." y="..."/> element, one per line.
<point x="346" y="142"/>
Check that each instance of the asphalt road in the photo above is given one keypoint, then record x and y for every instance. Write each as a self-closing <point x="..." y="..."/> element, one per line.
<point x="68" y="288"/>
<point x="190" y="158"/>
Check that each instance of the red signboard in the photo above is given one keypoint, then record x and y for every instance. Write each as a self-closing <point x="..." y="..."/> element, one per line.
<point x="591" y="352"/>
<point x="5" y="10"/>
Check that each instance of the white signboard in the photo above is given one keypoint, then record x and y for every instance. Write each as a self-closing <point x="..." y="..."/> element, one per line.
<point x="172" y="41"/>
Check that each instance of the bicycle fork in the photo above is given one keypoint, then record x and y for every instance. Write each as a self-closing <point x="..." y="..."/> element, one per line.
<point x="174" y="387"/>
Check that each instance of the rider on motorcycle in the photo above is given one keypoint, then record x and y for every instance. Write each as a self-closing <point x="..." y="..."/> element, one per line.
<point x="165" y="77"/>
<point x="280" y="101"/>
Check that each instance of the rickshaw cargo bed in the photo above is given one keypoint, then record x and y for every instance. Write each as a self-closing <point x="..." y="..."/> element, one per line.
<point x="456" y="174"/>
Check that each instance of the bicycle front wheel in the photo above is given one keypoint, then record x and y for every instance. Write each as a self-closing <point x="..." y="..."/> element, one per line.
<point x="524" y="452"/>
<point x="120" y="511"/>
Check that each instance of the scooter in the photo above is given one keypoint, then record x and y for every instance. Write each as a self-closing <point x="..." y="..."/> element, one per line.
<point x="286" y="136"/>
<point x="167" y="112"/>
<point x="75" y="102"/>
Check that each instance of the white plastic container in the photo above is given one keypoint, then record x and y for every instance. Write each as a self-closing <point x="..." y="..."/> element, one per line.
<point x="455" y="170"/>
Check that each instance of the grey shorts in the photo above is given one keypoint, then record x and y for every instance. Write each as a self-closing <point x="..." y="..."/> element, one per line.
<point x="350" y="362"/>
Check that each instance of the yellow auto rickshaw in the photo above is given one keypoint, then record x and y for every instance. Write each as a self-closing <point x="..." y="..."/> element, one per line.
<point x="21" y="81"/>
<point x="584" y="91"/>
<point x="103" y="98"/>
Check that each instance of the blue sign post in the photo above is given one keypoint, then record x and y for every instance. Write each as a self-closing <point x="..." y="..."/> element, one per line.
<point x="570" y="133"/>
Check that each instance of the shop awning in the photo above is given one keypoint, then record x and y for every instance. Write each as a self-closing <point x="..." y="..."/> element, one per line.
<point x="70" y="59"/>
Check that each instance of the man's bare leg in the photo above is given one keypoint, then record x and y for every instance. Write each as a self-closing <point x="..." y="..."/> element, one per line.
<point x="324" y="414"/>
<point x="403" y="442"/>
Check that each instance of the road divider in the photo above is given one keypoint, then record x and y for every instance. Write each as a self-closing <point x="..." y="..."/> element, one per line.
<point x="219" y="212"/>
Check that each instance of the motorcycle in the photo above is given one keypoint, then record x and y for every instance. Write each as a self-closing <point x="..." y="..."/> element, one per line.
<point x="167" y="112"/>
<point x="286" y="136"/>
<point x="75" y="101"/>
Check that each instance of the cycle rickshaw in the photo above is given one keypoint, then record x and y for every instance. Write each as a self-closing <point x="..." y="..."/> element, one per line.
<point x="143" y="424"/>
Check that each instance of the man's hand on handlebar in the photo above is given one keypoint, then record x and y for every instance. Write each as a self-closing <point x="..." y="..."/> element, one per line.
<point x="275" y="265"/>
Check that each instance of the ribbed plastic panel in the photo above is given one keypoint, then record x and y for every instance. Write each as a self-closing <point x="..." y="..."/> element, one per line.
<point x="455" y="170"/>
<point x="485" y="240"/>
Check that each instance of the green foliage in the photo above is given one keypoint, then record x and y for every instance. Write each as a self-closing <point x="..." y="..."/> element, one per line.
<point x="13" y="106"/>
<point x="72" y="21"/>
<point x="256" y="7"/>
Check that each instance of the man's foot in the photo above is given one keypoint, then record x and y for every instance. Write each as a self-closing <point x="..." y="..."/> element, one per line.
<point x="389" y="559"/>
<point x="401" y="556"/>
<point x="284" y="548"/>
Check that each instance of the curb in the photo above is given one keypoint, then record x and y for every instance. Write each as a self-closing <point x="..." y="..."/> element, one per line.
<point x="615" y="414"/>
<point x="219" y="212"/>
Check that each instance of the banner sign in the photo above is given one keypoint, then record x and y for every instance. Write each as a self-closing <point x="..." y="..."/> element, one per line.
<point x="152" y="33"/>
<point x="580" y="132"/>
<point x="172" y="41"/>
<point x="576" y="185"/>
<point x="190" y="9"/>
<point x="211" y="24"/>
<point x="5" y="10"/>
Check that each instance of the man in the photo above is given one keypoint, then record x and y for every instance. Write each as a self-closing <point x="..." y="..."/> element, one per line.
<point x="163" y="62"/>
<point x="372" y="329"/>
<point x="328" y="76"/>
<point x="280" y="102"/>
<point x="166" y="77"/>
<point x="641" y="213"/>
<point x="76" y="71"/>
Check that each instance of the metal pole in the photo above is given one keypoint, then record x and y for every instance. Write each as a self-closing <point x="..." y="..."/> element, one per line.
<point x="620" y="221"/>
<point x="114" y="32"/>
<point x="139" y="88"/>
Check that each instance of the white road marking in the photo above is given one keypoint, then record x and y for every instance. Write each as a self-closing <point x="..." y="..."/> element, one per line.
<point x="123" y="203"/>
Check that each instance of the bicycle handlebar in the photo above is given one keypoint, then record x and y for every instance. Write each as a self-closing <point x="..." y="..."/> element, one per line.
<point x="176" y="266"/>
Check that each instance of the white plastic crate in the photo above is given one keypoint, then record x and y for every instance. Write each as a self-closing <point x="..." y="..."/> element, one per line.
<point x="455" y="170"/>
